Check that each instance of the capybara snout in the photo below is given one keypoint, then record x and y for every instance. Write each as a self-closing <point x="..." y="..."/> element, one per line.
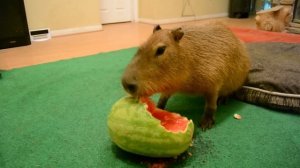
<point x="130" y="84"/>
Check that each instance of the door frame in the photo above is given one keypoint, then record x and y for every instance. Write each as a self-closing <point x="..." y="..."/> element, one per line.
<point x="135" y="10"/>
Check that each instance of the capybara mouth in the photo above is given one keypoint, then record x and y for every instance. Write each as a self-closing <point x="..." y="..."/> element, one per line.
<point x="140" y="93"/>
<point x="144" y="94"/>
<point x="148" y="91"/>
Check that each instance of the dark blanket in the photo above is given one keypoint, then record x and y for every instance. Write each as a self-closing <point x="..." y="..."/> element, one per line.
<point x="275" y="68"/>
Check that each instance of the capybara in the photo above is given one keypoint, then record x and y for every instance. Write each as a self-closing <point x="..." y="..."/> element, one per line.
<point x="208" y="60"/>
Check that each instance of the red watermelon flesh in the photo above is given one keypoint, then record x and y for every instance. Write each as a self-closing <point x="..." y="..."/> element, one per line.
<point x="170" y="121"/>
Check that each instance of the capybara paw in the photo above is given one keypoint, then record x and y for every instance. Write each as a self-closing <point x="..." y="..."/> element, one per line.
<point x="207" y="123"/>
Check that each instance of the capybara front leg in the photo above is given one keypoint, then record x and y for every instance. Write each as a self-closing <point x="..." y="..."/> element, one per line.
<point x="208" y="118"/>
<point x="162" y="102"/>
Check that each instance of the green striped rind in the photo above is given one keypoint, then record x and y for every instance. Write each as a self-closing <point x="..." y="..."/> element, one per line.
<point x="135" y="130"/>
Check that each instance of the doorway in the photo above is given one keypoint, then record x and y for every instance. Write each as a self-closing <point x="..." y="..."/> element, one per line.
<point x="116" y="11"/>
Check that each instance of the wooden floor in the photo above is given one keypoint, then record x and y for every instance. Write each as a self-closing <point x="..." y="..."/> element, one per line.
<point x="112" y="37"/>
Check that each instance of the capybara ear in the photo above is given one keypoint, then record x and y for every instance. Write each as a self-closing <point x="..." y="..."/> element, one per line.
<point x="177" y="34"/>
<point x="156" y="28"/>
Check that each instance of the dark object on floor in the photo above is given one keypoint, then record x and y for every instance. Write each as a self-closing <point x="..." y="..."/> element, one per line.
<point x="14" y="28"/>
<point x="294" y="26"/>
<point x="274" y="77"/>
<point x="239" y="9"/>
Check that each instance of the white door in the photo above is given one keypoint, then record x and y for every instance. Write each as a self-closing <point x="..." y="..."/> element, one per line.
<point x="113" y="11"/>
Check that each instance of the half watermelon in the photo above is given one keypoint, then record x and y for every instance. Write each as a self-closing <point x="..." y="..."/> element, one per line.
<point x="139" y="127"/>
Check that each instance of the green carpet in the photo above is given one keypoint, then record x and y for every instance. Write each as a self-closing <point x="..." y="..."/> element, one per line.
<point x="54" y="115"/>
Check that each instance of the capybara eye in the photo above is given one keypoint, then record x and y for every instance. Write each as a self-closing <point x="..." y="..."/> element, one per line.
<point x="160" y="50"/>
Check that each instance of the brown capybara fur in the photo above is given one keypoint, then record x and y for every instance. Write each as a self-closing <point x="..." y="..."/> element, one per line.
<point x="208" y="60"/>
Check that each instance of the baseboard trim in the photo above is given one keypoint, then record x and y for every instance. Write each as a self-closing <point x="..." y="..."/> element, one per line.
<point x="181" y="19"/>
<point x="76" y="30"/>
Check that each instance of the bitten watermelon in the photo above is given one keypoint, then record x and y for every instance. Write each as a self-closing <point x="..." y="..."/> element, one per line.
<point x="139" y="127"/>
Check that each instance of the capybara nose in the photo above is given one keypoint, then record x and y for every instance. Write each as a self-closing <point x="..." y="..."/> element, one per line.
<point x="130" y="86"/>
